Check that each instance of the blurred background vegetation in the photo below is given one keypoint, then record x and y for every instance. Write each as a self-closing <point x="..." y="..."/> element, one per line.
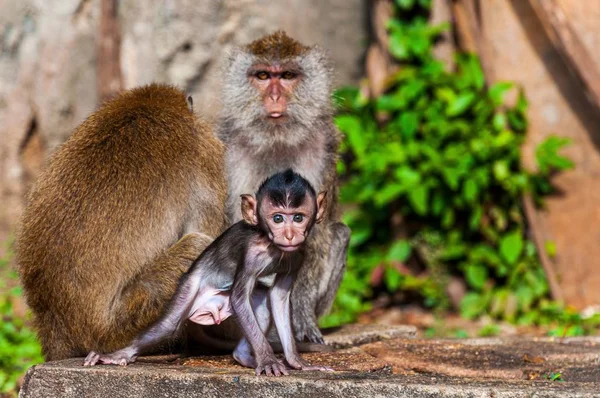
<point x="467" y="213"/>
<point x="434" y="187"/>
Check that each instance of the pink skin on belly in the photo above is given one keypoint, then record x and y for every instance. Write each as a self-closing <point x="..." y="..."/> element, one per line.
<point x="211" y="307"/>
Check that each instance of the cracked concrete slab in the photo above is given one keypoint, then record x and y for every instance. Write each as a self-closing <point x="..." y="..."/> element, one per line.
<point x="399" y="367"/>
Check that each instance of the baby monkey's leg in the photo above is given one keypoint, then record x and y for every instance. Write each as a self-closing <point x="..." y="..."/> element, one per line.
<point x="243" y="352"/>
<point x="279" y="297"/>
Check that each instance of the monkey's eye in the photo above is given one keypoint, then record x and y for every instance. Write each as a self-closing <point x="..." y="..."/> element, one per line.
<point x="262" y="75"/>
<point x="298" y="218"/>
<point x="278" y="218"/>
<point x="287" y="75"/>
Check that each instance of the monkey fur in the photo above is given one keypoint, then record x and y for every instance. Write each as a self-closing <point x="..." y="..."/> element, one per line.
<point x="305" y="140"/>
<point x="121" y="211"/>
<point x="228" y="278"/>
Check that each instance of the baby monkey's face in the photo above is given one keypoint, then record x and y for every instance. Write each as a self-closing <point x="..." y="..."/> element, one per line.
<point x="288" y="226"/>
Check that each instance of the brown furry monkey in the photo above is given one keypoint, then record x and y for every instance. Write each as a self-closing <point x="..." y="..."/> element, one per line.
<point x="228" y="274"/>
<point x="277" y="114"/>
<point x="121" y="211"/>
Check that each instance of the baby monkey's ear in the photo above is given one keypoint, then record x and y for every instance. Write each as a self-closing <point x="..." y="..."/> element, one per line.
<point x="249" y="209"/>
<point x="321" y="206"/>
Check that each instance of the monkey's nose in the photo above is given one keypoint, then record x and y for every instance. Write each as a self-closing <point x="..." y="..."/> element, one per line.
<point x="275" y="92"/>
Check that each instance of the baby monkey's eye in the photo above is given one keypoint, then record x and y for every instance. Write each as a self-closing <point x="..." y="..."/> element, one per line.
<point x="262" y="75"/>
<point x="287" y="75"/>
<point x="298" y="218"/>
<point x="278" y="218"/>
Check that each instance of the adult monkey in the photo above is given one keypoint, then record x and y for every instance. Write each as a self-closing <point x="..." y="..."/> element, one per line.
<point x="121" y="211"/>
<point x="277" y="114"/>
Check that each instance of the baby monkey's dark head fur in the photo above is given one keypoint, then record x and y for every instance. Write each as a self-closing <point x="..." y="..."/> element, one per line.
<point x="285" y="208"/>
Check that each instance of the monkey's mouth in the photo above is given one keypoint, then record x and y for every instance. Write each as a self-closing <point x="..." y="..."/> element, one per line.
<point x="277" y="117"/>
<point x="289" y="248"/>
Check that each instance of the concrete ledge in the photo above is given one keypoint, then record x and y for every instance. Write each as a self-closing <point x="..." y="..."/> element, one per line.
<point x="68" y="379"/>
<point x="387" y="366"/>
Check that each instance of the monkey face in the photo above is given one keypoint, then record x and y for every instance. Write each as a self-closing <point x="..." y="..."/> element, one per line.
<point x="276" y="84"/>
<point x="288" y="226"/>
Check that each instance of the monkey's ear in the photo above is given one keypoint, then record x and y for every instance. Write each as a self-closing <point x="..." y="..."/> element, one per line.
<point x="321" y="206"/>
<point x="190" y="102"/>
<point x="249" y="209"/>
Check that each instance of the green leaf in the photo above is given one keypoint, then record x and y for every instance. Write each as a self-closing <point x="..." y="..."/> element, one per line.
<point x="461" y="334"/>
<point x="351" y="126"/>
<point x="472" y="305"/>
<point x="470" y="190"/>
<point x="475" y="220"/>
<point x="547" y="157"/>
<point x="408" y="176"/>
<point x="511" y="246"/>
<point x="448" y="218"/>
<point x="409" y="123"/>
<point x="390" y="103"/>
<point x="460" y="104"/>
<point x="392" y="278"/>
<point x="405" y="4"/>
<point x="389" y="193"/>
<point x="525" y="297"/>
<point x="452" y="177"/>
<point x="399" y="46"/>
<point x="453" y="252"/>
<point x="521" y="102"/>
<point x="470" y="70"/>
<point x="498" y="90"/>
<point x="399" y="251"/>
<point x="476" y="275"/>
<point x="418" y="198"/>
<point x="550" y="247"/>
<point x="501" y="170"/>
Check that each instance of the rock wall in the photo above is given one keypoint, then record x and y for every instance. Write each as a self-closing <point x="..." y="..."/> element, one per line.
<point x="48" y="62"/>
<point x="522" y="52"/>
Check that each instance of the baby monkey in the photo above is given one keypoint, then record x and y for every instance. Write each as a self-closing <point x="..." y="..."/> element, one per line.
<point x="249" y="270"/>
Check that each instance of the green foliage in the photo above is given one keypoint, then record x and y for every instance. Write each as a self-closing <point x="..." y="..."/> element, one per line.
<point x="442" y="152"/>
<point x="19" y="348"/>
<point x="554" y="376"/>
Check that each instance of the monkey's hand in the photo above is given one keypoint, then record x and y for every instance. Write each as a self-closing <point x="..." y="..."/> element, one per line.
<point x="271" y="366"/>
<point x="121" y="358"/>
<point x="300" y="364"/>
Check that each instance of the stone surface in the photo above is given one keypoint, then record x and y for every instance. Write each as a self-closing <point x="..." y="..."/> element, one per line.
<point x="352" y="359"/>
<point x="486" y="367"/>
<point x="351" y="335"/>
<point x="494" y="358"/>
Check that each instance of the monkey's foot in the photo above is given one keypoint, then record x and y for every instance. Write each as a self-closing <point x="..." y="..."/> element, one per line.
<point x="309" y="333"/>
<point x="272" y="367"/>
<point x="121" y="358"/>
<point x="244" y="358"/>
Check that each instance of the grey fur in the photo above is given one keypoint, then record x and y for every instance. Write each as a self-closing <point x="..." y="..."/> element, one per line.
<point x="307" y="143"/>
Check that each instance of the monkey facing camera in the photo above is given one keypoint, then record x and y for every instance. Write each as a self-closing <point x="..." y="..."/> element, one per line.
<point x="277" y="114"/>
<point x="249" y="271"/>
